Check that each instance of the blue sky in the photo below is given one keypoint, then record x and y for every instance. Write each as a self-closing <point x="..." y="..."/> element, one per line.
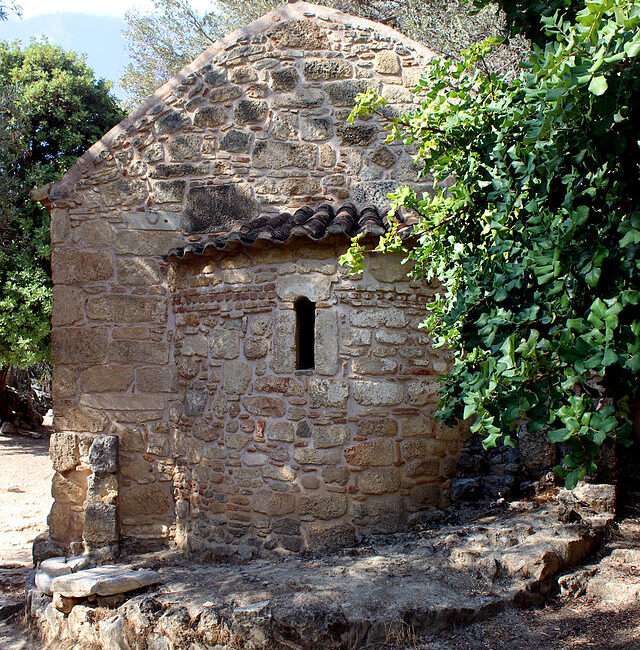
<point x="91" y="28"/>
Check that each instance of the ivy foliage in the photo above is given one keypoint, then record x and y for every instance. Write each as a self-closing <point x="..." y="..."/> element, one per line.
<point x="533" y="232"/>
<point x="51" y="110"/>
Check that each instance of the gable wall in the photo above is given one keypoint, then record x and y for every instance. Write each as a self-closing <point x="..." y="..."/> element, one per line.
<point x="254" y="126"/>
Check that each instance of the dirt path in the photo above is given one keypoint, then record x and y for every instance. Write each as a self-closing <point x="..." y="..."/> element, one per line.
<point x="25" y="488"/>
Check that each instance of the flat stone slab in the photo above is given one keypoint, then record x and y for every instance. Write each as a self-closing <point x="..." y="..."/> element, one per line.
<point x="105" y="580"/>
<point x="53" y="567"/>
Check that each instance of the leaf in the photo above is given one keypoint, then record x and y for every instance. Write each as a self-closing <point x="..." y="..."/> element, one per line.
<point x="559" y="435"/>
<point x="632" y="48"/>
<point x="598" y="85"/>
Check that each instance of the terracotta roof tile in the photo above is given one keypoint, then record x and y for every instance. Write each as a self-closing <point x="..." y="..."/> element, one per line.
<point x="312" y="223"/>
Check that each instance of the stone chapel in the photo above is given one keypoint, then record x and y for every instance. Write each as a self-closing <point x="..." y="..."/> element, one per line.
<point x="221" y="385"/>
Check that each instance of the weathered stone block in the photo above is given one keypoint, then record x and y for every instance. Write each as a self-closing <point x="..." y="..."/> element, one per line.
<point x="103" y="455"/>
<point x="377" y="393"/>
<point x="236" y="141"/>
<point x="308" y="456"/>
<point x="100" y="524"/>
<point x="224" y="93"/>
<point x="421" y="448"/>
<point x="168" y="191"/>
<point x="285" y="78"/>
<point x="138" y="352"/>
<point x="79" y="345"/>
<point x="251" y="110"/>
<point x="185" y="147"/>
<point x="106" y="378"/>
<point x="384" y="157"/>
<point x="210" y="117"/>
<point x="387" y="62"/>
<point x="329" y="393"/>
<point x="236" y="377"/>
<point x="426" y="468"/>
<point x="195" y="344"/>
<point x="343" y="93"/>
<point x="327" y="69"/>
<point x="139" y="271"/>
<point x="155" y="379"/>
<point x="415" y="425"/>
<point x="356" y="135"/>
<point x="195" y="401"/>
<point x="123" y="401"/>
<point x="379" y="481"/>
<point x="93" y="234"/>
<point x="279" y="155"/>
<point x="126" y="309"/>
<point x="423" y="392"/>
<point x="374" y="366"/>
<point x="372" y="454"/>
<point x="333" y="435"/>
<point x="65" y="524"/>
<point x="224" y="343"/>
<point x="319" y="536"/>
<point x="323" y="506"/>
<point x="173" y="121"/>
<point x="70" y="487"/>
<point x="78" y="418"/>
<point x="267" y="406"/>
<point x="326" y="342"/>
<point x="273" y="503"/>
<point x="390" y="317"/>
<point x="282" y="431"/>
<point x="256" y="348"/>
<point x="339" y="475"/>
<point x="218" y="207"/>
<point x="68" y="305"/>
<point x="285" y="385"/>
<point x="284" y="353"/>
<point x="146" y="243"/>
<point x="70" y="266"/>
<point x="146" y="500"/>
<point x="299" y="35"/>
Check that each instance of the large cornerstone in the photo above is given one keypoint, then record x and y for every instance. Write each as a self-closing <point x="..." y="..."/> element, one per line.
<point x="221" y="384"/>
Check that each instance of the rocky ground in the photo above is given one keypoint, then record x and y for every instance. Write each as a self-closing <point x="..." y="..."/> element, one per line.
<point x="449" y="587"/>
<point x="448" y="581"/>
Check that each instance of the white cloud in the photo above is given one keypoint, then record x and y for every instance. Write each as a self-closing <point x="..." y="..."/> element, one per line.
<point x="32" y="8"/>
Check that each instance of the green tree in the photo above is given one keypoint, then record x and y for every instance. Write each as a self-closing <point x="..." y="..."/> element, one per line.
<point x="162" y="42"/>
<point x="51" y="110"/>
<point x="533" y="232"/>
<point x="7" y="7"/>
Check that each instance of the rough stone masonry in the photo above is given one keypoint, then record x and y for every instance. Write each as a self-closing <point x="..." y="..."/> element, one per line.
<point x="181" y="418"/>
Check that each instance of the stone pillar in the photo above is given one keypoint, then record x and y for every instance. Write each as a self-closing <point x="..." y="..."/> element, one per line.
<point x="101" y="534"/>
<point x="69" y="489"/>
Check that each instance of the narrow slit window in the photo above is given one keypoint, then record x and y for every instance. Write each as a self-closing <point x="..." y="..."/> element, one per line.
<point x="305" y="333"/>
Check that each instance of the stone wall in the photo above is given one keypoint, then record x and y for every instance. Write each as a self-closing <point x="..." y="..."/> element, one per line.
<point x="254" y="126"/>
<point x="273" y="457"/>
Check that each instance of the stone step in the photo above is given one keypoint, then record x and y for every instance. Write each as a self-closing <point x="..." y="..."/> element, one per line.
<point x="53" y="567"/>
<point x="105" y="580"/>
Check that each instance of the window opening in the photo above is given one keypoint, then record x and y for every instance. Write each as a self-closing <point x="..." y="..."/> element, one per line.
<point x="305" y="333"/>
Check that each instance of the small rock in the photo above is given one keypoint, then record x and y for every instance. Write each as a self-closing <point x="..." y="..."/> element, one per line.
<point x="64" y="604"/>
